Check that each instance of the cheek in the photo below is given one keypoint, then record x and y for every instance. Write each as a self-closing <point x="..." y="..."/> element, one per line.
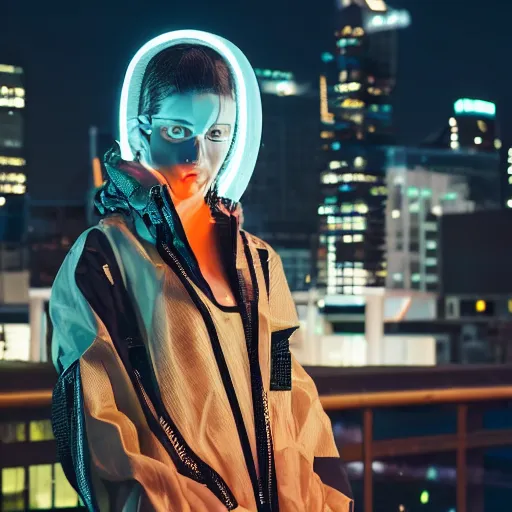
<point x="217" y="152"/>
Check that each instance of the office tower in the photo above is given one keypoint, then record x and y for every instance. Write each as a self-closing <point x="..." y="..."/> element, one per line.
<point x="12" y="154"/>
<point x="457" y="170"/>
<point x="356" y="112"/>
<point x="282" y="197"/>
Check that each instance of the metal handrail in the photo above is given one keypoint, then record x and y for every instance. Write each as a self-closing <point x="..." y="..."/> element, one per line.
<point x="414" y="397"/>
<point x="42" y="398"/>
<point x="25" y="399"/>
<point x="461" y="441"/>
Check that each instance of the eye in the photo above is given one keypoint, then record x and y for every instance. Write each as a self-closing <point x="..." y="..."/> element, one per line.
<point x="175" y="132"/>
<point x="219" y="132"/>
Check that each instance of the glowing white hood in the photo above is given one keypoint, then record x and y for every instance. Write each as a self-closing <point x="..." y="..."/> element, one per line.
<point x="238" y="167"/>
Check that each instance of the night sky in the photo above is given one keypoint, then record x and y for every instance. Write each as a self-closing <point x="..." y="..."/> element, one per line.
<point x="75" y="54"/>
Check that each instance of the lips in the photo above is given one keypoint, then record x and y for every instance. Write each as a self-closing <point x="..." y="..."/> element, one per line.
<point x="190" y="175"/>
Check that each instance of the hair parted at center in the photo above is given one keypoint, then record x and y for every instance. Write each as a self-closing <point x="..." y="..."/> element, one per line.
<point x="182" y="69"/>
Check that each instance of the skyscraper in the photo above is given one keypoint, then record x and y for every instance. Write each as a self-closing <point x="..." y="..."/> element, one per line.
<point x="282" y="197"/>
<point x="356" y="113"/>
<point x="456" y="170"/>
<point x="12" y="154"/>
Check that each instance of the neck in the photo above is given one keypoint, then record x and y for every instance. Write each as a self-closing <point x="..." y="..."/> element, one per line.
<point x="197" y="221"/>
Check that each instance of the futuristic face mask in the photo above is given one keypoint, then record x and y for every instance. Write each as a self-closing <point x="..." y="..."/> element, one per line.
<point x="216" y="134"/>
<point x="188" y="139"/>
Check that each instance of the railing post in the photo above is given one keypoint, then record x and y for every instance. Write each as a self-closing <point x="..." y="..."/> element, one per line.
<point x="462" y="475"/>
<point x="368" y="459"/>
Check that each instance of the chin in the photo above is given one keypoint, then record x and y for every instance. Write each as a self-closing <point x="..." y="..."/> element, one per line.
<point x="182" y="193"/>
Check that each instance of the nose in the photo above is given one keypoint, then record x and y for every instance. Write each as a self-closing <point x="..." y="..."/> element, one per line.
<point x="191" y="150"/>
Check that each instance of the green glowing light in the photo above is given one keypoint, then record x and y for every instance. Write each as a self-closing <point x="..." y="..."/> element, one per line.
<point x="468" y="106"/>
<point x="424" y="497"/>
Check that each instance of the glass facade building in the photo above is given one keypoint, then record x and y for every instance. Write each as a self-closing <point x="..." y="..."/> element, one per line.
<point x="12" y="154"/>
<point x="425" y="184"/>
<point x="356" y="112"/>
<point x="281" y="200"/>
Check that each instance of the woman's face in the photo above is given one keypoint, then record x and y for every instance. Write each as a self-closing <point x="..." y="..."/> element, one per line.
<point x="189" y="141"/>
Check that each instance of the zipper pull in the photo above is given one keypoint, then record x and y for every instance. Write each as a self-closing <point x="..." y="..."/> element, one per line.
<point x="106" y="270"/>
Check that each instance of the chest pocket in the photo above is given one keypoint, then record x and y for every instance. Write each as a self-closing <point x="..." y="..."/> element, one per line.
<point x="280" y="355"/>
<point x="281" y="361"/>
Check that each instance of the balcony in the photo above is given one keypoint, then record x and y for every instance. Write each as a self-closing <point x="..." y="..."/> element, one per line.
<point x="424" y="439"/>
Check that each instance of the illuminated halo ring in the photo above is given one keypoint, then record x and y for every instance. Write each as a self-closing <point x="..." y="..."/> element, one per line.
<point x="239" y="165"/>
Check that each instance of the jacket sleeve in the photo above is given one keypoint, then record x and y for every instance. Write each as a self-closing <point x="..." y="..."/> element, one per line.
<point x="105" y="446"/>
<point x="311" y="427"/>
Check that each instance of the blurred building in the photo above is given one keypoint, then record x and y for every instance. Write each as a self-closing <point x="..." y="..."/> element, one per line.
<point x="282" y="197"/>
<point x="506" y="174"/>
<point x="12" y="155"/>
<point x="476" y="281"/>
<point x="356" y="111"/>
<point x="53" y="228"/>
<point x="14" y="275"/>
<point x="457" y="170"/>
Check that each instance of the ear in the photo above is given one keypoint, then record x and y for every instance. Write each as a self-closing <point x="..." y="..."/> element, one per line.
<point x="138" y="140"/>
<point x="145" y="125"/>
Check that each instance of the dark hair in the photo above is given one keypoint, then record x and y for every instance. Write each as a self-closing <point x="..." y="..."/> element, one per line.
<point x="183" y="68"/>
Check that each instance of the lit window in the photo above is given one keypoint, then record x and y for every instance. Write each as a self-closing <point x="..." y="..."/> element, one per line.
<point x="482" y="125"/>
<point x="415" y="278"/>
<point x="398" y="276"/>
<point x="5" y="68"/>
<point x="437" y="210"/>
<point x="40" y="491"/>
<point x="359" y="162"/>
<point x="13" y="487"/>
<point x="453" y="121"/>
<point x="329" y="178"/>
<point x="497" y="143"/>
<point x="347" y="87"/>
<point x="40" y="430"/>
<point x="12" y="432"/>
<point x="413" y="192"/>
<point x="478" y="140"/>
<point x="12" y="161"/>
<point x="480" y="306"/>
<point x="395" y="214"/>
<point x="352" y="103"/>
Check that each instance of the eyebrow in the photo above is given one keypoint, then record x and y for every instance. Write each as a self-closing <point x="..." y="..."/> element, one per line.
<point x="174" y="120"/>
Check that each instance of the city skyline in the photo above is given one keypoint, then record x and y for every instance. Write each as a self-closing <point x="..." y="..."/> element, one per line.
<point x="73" y="86"/>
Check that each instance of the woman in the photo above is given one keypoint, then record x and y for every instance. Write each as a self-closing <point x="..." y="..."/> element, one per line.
<point x="177" y="389"/>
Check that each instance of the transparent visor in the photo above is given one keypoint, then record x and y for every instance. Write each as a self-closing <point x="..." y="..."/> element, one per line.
<point x="195" y="136"/>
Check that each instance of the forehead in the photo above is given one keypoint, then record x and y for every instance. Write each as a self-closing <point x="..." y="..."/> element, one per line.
<point x="198" y="109"/>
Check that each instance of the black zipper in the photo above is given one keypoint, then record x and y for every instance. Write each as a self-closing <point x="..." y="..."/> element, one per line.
<point x="260" y="400"/>
<point x="266" y="500"/>
<point x="195" y="469"/>
<point x="172" y="261"/>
